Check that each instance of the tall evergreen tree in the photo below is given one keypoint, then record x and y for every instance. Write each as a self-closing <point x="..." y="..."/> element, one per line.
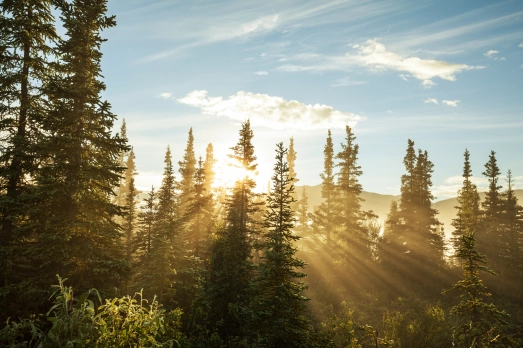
<point x="187" y="168"/>
<point x="323" y="216"/>
<point x="27" y="33"/>
<point x="76" y="235"/>
<point x="478" y="321"/>
<point x="199" y="214"/>
<point x="279" y="307"/>
<point x="509" y="247"/>
<point x="349" y="216"/>
<point x="291" y="159"/>
<point x="146" y="221"/>
<point x="208" y="167"/>
<point x="468" y="212"/>
<point x="491" y="232"/>
<point x="413" y="245"/>
<point x="159" y="264"/>
<point x="121" y="192"/>
<point x="231" y="268"/>
<point x="418" y="217"/>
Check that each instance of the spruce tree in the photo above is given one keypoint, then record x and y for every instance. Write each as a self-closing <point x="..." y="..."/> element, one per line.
<point x="146" y="221"/>
<point x="323" y="216"/>
<point x="187" y="168"/>
<point x="468" y="211"/>
<point x="279" y="307"/>
<point x="159" y="265"/>
<point x="231" y="268"/>
<point x="491" y="232"/>
<point x="199" y="214"/>
<point x="76" y="235"/>
<point x="477" y="321"/>
<point x="121" y="191"/>
<point x="509" y="244"/>
<point x="349" y="216"/>
<point x="27" y="32"/>
<point x="291" y="159"/>
<point x="413" y="246"/>
<point x="208" y="167"/>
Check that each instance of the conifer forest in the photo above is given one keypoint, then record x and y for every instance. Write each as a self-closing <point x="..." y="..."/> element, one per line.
<point x="89" y="260"/>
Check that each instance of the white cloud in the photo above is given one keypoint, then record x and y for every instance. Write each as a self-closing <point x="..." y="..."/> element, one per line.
<point x="346" y="81"/>
<point x="269" y="111"/>
<point x="261" y="73"/>
<point x="453" y="103"/>
<point x="165" y="95"/>
<point x="431" y="100"/>
<point x="375" y="56"/>
<point x="490" y="53"/>
<point x="520" y="45"/>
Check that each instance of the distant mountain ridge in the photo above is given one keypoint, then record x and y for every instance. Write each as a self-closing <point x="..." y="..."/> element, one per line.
<point x="380" y="204"/>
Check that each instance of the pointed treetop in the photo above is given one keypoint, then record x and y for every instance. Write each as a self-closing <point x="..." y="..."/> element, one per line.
<point x="243" y="151"/>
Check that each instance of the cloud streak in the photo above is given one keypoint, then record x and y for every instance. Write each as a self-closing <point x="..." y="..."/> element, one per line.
<point x="270" y="111"/>
<point x="374" y="56"/>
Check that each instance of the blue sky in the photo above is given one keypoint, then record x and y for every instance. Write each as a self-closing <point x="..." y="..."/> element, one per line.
<point x="446" y="74"/>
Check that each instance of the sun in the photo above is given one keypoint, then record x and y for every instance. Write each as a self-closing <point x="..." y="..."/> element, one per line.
<point x="230" y="171"/>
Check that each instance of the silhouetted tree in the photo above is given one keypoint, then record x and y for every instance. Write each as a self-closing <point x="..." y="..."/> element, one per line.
<point x="187" y="168"/>
<point x="349" y="216"/>
<point x="468" y="212"/>
<point x="478" y="321"/>
<point x="231" y="268"/>
<point x="76" y="235"/>
<point x="323" y="216"/>
<point x="279" y="307"/>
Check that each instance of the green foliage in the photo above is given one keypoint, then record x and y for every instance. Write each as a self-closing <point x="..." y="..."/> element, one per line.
<point x="323" y="216"/>
<point x="278" y="305"/>
<point x="231" y="268"/>
<point x="21" y="334"/>
<point x="119" y="322"/>
<point x="468" y="214"/>
<point x="477" y="321"/>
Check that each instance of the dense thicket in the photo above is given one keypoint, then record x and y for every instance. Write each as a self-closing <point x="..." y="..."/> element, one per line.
<point x="222" y="266"/>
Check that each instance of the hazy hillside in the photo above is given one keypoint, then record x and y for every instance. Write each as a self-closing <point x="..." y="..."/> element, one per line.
<point x="380" y="204"/>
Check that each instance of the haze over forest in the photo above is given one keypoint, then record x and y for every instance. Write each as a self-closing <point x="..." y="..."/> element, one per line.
<point x="261" y="174"/>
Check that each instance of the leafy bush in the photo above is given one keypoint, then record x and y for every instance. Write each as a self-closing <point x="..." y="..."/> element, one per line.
<point x="120" y="322"/>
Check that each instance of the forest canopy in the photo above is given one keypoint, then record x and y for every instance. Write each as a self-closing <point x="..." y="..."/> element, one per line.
<point x="85" y="262"/>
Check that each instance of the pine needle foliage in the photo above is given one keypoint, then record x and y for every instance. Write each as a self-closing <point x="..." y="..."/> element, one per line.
<point x="478" y="321"/>
<point x="279" y="306"/>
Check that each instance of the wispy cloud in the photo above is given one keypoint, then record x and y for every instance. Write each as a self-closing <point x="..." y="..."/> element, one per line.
<point x="165" y="95"/>
<point x="346" y="81"/>
<point x="453" y="103"/>
<point x="261" y="73"/>
<point x="231" y="31"/>
<point x="431" y="101"/>
<point x="490" y="53"/>
<point x="460" y="32"/>
<point x="270" y="111"/>
<point x="375" y="56"/>
<point x="520" y="45"/>
<point x="221" y="32"/>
